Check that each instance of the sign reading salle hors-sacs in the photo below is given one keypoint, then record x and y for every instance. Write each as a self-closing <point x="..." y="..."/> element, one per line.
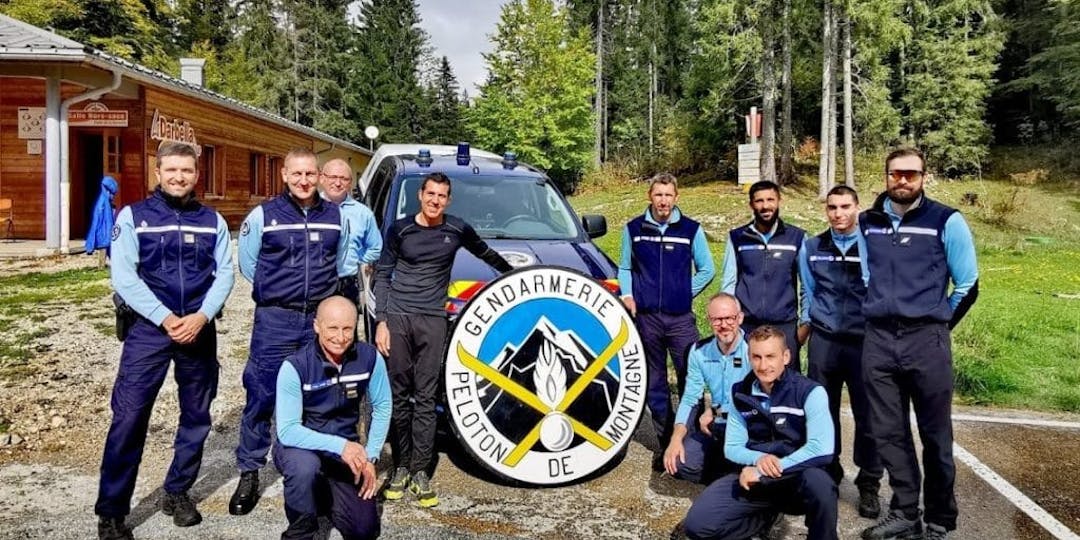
<point x="545" y="376"/>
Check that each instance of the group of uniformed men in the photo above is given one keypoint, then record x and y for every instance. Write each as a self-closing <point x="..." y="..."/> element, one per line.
<point x="870" y="297"/>
<point x="875" y="307"/>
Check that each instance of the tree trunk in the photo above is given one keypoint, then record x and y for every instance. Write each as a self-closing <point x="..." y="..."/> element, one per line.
<point x="787" y="147"/>
<point x="849" y="134"/>
<point x="768" y="81"/>
<point x="827" y="70"/>
<point x="834" y="96"/>
<point x="598" y="109"/>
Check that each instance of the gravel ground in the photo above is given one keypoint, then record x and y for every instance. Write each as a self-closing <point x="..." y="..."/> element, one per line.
<point x="48" y="480"/>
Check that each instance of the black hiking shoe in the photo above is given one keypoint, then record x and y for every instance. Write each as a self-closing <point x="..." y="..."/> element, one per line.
<point x="246" y="495"/>
<point x="113" y="529"/>
<point x="869" y="504"/>
<point x="181" y="508"/>
<point x="895" y="526"/>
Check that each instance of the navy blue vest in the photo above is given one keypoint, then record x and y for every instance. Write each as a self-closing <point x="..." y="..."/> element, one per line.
<point x="779" y="429"/>
<point x="909" y="273"/>
<point x="297" y="266"/>
<point x="767" y="273"/>
<point x="332" y="397"/>
<point x="839" y="291"/>
<point x="176" y="249"/>
<point x="662" y="264"/>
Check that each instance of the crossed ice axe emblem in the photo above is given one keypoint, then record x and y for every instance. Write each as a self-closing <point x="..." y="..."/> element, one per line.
<point x="530" y="399"/>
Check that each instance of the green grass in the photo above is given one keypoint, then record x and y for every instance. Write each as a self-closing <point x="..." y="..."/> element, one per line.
<point x="34" y="296"/>
<point x="1020" y="344"/>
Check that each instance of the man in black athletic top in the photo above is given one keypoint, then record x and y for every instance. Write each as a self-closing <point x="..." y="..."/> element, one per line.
<point x="411" y="279"/>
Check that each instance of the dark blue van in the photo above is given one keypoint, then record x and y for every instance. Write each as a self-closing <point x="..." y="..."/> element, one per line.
<point x="513" y="206"/>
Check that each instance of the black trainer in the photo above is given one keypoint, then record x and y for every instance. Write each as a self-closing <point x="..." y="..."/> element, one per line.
<point x="113" y="529"/>
<point x="246" y="495"/>
<point x="181" y="508"/>
<point x="895" y="526"/>
<point x="869" y="504"/>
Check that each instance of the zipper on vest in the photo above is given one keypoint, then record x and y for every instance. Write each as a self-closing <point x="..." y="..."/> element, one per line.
<point x="307" y="263"/>
<point x="180" y="262"/>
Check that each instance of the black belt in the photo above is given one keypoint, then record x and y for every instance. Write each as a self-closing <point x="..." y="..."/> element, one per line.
<point x="305" y="307"/>
<point x="903" y="323"/>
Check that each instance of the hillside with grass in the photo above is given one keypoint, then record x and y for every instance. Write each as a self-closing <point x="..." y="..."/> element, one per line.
<point x="1020" y="344"/>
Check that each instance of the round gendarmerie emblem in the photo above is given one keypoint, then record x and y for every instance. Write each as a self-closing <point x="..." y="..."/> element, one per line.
<point x="545" y="376"/>
<point x="115" y="232"/>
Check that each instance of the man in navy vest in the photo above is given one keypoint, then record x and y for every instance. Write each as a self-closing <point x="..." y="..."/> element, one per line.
<point x="780" y="431"/>
<point x="363" y="239"/>
<point x="289" y="248"/>
<point x="696" y="453"/>
<point x="761" y="267"/>
<point x="830" y="267"/>
<point x="171" y="262"/>
<point x="665" y="263"/>
<point x="914" y="247"/>
<point x="319" y="391"/>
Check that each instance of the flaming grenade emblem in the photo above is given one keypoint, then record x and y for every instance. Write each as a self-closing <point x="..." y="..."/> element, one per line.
<point x="549" y="377"/>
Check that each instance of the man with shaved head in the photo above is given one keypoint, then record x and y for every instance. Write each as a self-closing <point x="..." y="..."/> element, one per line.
<point x="363" y="241"/>
<point x="319" y="390"/>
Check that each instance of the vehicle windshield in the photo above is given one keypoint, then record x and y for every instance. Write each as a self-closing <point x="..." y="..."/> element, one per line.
<point x="500" y="206"/>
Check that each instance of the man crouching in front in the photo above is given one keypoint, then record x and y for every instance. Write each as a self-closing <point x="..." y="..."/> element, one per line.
<point x="319" y="389"/>
<point x="780" y="430"/>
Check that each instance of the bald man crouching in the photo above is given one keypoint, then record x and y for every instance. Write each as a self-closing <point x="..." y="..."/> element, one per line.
<point x="319" y="390"/>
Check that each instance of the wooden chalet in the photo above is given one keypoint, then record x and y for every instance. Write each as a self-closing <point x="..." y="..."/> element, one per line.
<point x="70" y="114"/>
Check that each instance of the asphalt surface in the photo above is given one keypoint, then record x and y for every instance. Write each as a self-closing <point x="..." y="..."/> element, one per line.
<point x="630" y="501"/>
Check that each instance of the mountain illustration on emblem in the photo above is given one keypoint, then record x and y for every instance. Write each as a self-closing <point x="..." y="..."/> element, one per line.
<point x="547" y="363"/>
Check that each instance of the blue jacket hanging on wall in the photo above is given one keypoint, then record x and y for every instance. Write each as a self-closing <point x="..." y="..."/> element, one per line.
<point x="101" y="223"/>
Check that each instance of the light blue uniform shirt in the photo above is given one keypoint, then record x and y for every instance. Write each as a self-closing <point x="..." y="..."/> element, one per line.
<point x="704" y="270"/>
<point x="709" y="368"/>
<point x="289" y="409"/>
<point x="843" y="242"/>
<point x="819" y="432"/>
<point x="249" y="243"/>
<point x="959" y="252"/>
<point x="364" y="242"/>
<point x="135" y="292"/>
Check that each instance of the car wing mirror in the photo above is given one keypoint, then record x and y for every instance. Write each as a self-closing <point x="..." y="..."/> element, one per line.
<point x="595" y="225"/>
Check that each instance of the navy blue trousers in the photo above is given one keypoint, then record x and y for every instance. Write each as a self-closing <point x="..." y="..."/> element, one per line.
<point x="144" y="363"/>
<point x="319" y="484"/>
<point x="835" y="360"/>
<point x="705" y="460"/>
<point x="906" y="365"/>
<point x="662" y="335"/>
<point x="727" y="511"/>
<point x="789" y="329"/>
<point x="277" y="333"/>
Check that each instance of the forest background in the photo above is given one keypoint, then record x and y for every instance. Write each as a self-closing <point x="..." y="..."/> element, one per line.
<point x="601" y="93"/>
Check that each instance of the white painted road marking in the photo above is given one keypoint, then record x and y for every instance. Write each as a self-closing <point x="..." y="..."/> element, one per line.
<point x="1015" y="496"/>
<point x="1016" y="421"/>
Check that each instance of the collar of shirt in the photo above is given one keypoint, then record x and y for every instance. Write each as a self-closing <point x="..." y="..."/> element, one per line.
<point x="893" y="216"/>
<point x="675" y="215"/>
<point x="765" y="236"/>
<point x="844" y="241"/>
<point x="739" y="340"/>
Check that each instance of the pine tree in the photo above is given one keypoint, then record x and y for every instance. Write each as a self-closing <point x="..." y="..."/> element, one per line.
<point x="446" y="125"/>
<point x="538" y="96"/>
<point x="384" y="86"/>
<point x="948" y="77"/>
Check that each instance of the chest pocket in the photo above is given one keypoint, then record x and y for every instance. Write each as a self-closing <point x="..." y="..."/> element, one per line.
<point x="197" y="248"/>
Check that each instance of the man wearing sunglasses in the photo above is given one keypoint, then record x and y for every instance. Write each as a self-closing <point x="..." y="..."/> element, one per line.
<point x="289" y="249"/>
<point x="915" y="247"/>
<point x="363" y="241"/>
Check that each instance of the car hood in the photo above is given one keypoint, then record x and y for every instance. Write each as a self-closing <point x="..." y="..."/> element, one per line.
<point x="581" y="256"/>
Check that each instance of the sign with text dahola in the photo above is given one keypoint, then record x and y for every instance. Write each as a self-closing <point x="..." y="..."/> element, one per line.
<point x="163" y="128"/>
<point x="97" y="114"/>
<point x="545" y="376"/>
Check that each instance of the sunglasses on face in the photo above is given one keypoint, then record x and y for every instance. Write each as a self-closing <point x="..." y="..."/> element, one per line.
<point x="905" y="174"/>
